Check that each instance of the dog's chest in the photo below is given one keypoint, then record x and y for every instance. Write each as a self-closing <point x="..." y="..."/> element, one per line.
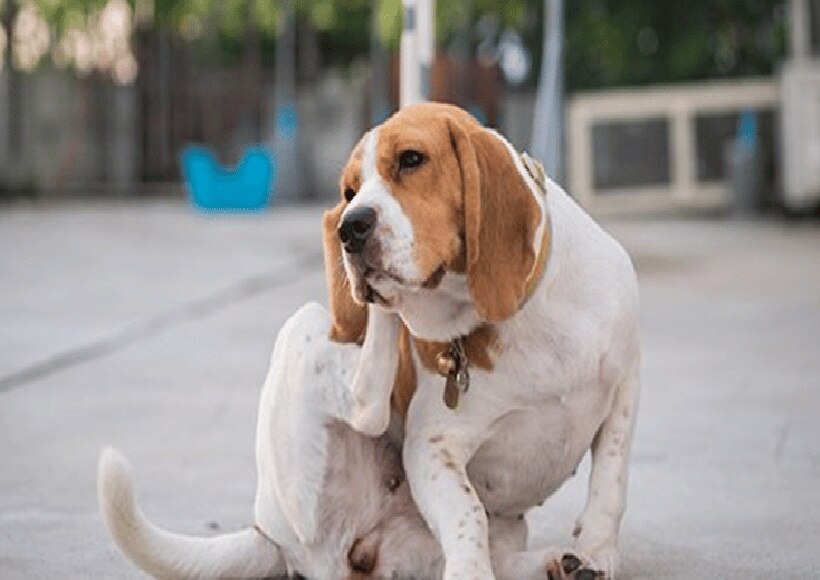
<point x="549" y="382"/>
<point x="528" y="457"/>
<point x="546" y="357"/>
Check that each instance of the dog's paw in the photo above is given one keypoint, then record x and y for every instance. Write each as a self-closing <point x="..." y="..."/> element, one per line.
<point x="570" y="565"/>
<point x="371" y="420"/>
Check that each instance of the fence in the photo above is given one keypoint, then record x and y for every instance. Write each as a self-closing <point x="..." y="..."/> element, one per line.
<point x="62" y="135"/>
<point x="660" y="148"/>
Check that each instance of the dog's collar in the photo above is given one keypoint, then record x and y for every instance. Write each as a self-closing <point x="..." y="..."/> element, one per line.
<point x="539" y="176"/>
<point x="453" y="365"/>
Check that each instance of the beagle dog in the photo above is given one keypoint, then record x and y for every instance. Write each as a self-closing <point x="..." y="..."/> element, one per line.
<point x="330" y="502"/>
<point x="518" y="348"/>
<point x="449" y="254"/>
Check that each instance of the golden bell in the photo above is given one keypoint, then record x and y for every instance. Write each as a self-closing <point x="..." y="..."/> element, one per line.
<point x="445" y="363"/>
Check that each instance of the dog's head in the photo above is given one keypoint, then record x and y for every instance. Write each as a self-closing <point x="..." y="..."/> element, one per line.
<point x="437" y="221"/>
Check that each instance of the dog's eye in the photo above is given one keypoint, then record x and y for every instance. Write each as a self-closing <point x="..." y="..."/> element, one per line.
<point x="349" y="194"/>
<point x="410" y="159"/>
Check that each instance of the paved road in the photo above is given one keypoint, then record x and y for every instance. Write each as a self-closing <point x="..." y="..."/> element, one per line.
<point x="150" y="327"/>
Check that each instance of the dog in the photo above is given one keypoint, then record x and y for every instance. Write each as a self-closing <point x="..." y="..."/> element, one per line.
<point x="330" y="502"/>
<point x="520" y="346"/>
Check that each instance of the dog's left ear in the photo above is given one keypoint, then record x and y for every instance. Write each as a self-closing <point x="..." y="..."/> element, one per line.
<point x="501" y="218"/>
<point x="349" y="318"/>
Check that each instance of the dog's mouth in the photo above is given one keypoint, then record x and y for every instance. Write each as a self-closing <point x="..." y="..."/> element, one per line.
<point x="377" y="286"/>
<point x="372" y="296"/>
<point x="432" y="282"/>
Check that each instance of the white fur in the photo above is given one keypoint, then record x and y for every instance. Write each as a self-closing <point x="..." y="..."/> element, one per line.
<point x="394" y="232"/>
<point x="321" y="487"/>
<point x="369" y="167"/>
<point x="164" y="554"/>
<point x="422" y="309"/>
<point x="380" y="357"/>
<point x="568" y="370"/>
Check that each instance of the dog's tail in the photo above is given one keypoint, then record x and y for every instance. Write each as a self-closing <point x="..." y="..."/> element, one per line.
<point x="163" y="554"/>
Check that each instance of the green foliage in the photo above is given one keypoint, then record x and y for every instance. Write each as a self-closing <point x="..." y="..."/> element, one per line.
<point x="608" y="42"/>
<point x="452" y="16"/>
<point x="633" y="42"/>
<point x="63" y="14"/>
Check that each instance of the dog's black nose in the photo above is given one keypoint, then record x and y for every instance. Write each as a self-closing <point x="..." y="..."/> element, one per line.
<point x="356" y="227"/>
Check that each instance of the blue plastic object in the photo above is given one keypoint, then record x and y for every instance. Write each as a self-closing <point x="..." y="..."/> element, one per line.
<point x="212" y="187"/>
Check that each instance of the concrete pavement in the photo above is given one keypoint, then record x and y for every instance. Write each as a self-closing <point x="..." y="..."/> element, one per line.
<point x="149" y="327"/>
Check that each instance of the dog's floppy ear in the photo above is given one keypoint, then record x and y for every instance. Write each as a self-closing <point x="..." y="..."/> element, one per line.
<point x="501" y="217"/>
<point x="349" y="318"/>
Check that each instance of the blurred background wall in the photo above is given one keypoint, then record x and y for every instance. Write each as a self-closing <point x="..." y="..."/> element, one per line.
<point x="98" y="97"/>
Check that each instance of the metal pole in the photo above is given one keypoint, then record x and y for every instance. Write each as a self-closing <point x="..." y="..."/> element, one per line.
<point x="427" y="35"/>
<point x="547" y="130"/>
<point x="417" y="44"/>
<point x="379" y="72"/>
<point x="286" y="133"/>
<point x="799" y="29"/>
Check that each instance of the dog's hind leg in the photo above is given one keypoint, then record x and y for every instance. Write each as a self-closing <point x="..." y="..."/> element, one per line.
<point x="598" y="526"/>
<point x="311" y="381"/>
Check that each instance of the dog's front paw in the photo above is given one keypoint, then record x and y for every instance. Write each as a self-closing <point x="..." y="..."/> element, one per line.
<point x="597" y="539"/>
<point x="570" y="565"/>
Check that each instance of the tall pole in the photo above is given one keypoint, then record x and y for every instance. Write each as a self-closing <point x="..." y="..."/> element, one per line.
<point x="379" y="71"/>
<point x="547" y="130"/>
<point x="286" y="131"/>
<point x="417" y="46"/>
<point x="799" y="27"/>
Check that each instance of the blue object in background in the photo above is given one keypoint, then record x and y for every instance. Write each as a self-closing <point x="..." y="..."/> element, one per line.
<point x="287" y="121"/>
<point x="747" y="130"/>
<point x="212" y="187"/>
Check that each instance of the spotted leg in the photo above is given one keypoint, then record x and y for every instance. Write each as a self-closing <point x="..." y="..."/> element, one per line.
<point x="598" y="526"/>
<point x="437" y="448"/>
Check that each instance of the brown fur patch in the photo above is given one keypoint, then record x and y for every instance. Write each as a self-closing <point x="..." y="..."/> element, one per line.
<point x="349" y="318"/>
<point x="404" y="387"/>
<point x="501" y="218"/>
<point x="430" y="195"/>
<point x="352" y="173"/>
<point x="470" y="207"/>
<point x="479" y="345"/>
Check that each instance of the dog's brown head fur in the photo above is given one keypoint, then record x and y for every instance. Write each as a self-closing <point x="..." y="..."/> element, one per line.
<point x="461" y="199"/>
<point x="469" y="211"/>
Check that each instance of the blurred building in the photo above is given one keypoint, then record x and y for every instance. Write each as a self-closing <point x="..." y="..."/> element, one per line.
<point x="102" y="102"/>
